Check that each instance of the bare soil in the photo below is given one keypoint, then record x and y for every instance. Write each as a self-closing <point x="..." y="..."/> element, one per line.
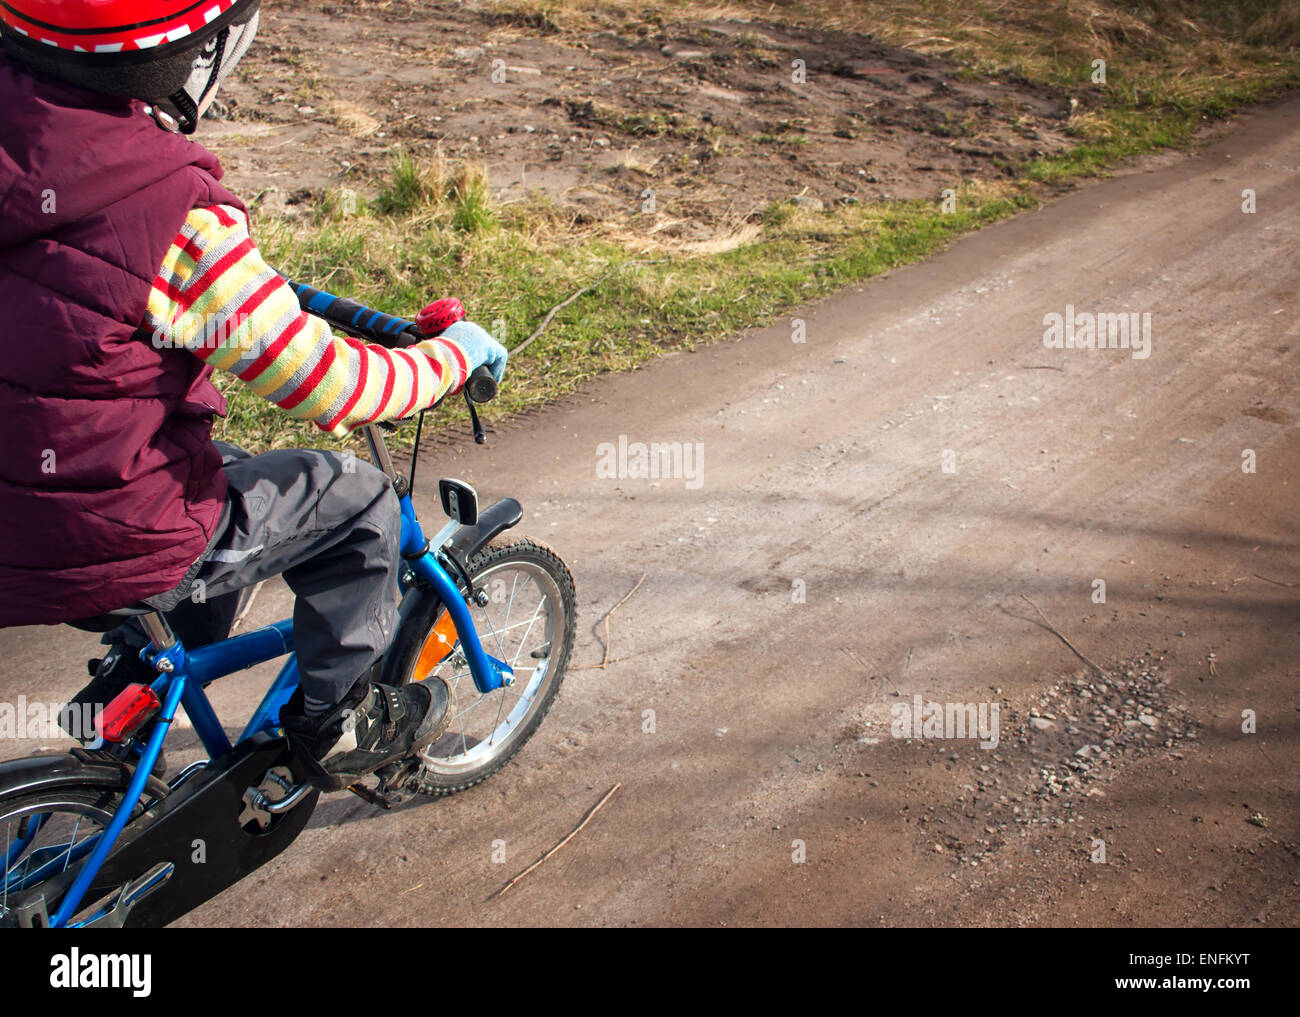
<point x="706" y="114"/>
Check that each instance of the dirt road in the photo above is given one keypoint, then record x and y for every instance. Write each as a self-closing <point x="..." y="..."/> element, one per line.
<point x="877" y="508"/>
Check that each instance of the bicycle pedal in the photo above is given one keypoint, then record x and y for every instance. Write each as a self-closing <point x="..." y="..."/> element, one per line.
<point x="400" y="776"/>
<point x="361" y="791"/>
<point x="397" y="784"/>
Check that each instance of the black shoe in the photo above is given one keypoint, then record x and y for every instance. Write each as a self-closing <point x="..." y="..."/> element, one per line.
<point x="376" y="725"/>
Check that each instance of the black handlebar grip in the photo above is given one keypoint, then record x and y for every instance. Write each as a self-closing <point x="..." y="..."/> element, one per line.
<point x="481" y="386"/>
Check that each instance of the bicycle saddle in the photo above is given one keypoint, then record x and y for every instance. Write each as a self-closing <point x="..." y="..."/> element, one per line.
<point x="109" y="619"/>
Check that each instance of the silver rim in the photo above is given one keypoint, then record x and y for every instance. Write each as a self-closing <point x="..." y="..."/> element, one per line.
<point x="520" y="625"/>
<point x="53" y="846"/>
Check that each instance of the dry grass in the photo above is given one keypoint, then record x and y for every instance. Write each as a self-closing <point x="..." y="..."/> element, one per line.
<point x="353" y="119"/>
<point x="630" y="160"/>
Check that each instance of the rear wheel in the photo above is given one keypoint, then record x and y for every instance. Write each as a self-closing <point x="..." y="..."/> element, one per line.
<point x="47" y="832"/>
<point x="527" y="623"/>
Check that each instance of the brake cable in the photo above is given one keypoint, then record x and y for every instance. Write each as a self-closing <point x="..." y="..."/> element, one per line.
<point x="415" y="451"/>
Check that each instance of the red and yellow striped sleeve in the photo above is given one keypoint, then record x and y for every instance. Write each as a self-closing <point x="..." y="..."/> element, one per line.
<point x="217" y="298"/>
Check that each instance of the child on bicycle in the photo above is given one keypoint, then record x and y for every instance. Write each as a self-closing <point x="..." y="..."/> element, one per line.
<point x="127" y="274"/>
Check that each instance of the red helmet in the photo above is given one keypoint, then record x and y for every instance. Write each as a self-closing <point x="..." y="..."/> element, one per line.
<point x="145" y="49"/>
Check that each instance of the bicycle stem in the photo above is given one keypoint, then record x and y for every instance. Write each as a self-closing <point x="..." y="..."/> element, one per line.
<point x="379" y="450"/>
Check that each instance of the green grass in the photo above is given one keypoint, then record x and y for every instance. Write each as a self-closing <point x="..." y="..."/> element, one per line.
<point x="432" y="230"/>
<point x="512" y="274"/>
<point x="779" y="139"/>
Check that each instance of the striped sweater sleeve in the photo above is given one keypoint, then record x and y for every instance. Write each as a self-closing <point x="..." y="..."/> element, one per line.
<point x="217" y="298"/>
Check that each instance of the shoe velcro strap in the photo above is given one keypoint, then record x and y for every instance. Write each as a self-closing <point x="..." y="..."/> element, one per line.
<point x="394" y="707"/>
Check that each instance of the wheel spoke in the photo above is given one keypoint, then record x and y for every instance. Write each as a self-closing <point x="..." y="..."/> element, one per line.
<point x="510" y="603"/>
<point x="8" y="842"/>
<point x="516" y="625"/>
<point x="541" y="605"/>
<point x="516" y="588"/>
<point x="70" y="845"/>
<point x="472" y="707"/>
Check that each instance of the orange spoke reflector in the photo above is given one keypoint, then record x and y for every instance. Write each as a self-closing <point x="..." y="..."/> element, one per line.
<point x="437" y="648"/>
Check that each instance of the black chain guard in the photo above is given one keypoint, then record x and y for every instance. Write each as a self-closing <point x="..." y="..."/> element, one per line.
<point x="196" y="829"/>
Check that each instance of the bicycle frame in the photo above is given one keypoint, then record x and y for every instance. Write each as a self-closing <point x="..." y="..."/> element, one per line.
<point x="184" y="673"/>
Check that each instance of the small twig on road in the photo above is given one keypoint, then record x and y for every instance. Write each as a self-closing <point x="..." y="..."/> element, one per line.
<point x="600" y="666"/>
<point x="855" y="658"/>
<point x="1040" y="367"/>
<point x="610" y="614"/>
<point x="1275" y="582"/>
<point x="1057" y="632"/>
<point x="576" y="830"/>
<point x="558" y="307"/>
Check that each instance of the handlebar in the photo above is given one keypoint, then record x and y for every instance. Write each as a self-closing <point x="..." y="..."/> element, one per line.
<point x="387" y="330"/>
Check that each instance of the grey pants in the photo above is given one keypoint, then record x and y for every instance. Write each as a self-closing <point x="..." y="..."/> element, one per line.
<point x="331" y="525"/>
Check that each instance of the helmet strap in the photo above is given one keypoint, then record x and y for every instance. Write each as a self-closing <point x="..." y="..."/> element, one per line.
<point x="189" y="112"/>
<point x="185" y="104"/>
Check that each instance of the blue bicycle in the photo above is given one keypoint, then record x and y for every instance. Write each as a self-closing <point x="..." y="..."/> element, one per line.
<point x="95" y="839"/>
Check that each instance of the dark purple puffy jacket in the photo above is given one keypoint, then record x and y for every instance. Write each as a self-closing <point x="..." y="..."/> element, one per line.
<point x="110" y="487"/>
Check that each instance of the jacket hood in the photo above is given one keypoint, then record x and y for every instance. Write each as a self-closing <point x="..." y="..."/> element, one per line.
<point x="84" y="167"/>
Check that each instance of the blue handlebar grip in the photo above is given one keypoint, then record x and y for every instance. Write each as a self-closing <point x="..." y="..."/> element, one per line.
<point x="356" y="319"/>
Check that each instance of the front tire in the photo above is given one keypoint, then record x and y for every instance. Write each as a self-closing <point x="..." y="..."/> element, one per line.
<point x="528" y="623"/>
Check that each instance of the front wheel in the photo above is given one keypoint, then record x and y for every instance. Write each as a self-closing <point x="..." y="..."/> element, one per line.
<point x="528" y="623"/>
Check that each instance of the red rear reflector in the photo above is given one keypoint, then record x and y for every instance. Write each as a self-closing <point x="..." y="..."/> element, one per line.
<point x="128" y="711"/>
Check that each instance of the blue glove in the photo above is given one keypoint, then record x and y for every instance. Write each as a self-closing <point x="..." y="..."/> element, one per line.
<point x="478" y="346"/>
